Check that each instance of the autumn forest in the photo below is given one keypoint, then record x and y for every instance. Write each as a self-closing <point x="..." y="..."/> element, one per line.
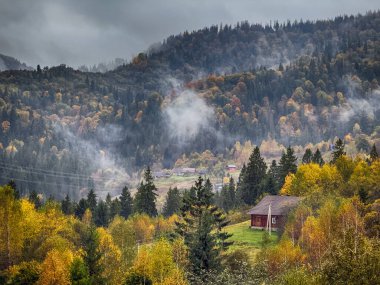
<point x="144" y="171"/>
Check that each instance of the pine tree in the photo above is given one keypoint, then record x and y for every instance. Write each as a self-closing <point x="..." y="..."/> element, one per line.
<point x="125" y="203"/>
<point x="91" y="200"/>
<point x="373" y="154"/>
<point x="172" y="203"/>
<point x="146" y="196"/>
<point x="288" y="164"/>
<point x="201" y="227"/>
<point x="92" y="255"/>
<point x="317" y="158"/>
<point x="252" y="185"/>
<point x="338" y="150"/>
<point x="67" y="206"/>
<point x="307" y="157"/>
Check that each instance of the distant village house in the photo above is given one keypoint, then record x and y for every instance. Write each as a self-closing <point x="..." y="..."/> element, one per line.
<point x="231" y="167"/>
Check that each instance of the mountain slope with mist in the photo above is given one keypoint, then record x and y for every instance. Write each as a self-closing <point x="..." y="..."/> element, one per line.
<point x="10" y="63"/>
<point x="64" y="130"/>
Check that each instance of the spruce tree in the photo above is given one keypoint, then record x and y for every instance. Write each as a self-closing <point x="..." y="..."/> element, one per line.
<point x="146" y="196"/>
<point x="108" y="200"/>
<point x="224" y="198"/>
<point x="115" y="208"/>
<point x="80" y="208"/>
<point x="272" y="182"/>
<point x="92" y="255"/>
<point x="338" y="150"/>
<point x="373" y="154"/>
<point x="67" y="206"/>
<point x="288" y="164"/>
<point x="232" y="193"/>
<point x="201" y="227"/>
<point x="251" y="186"/>
<point x="172" y="203"/>
<point x="307" y="157"/>
<point x="239" y="199"/>
<point x="317" y="158"/>
<point x="91" y="200"/>
<point x="101" y="215"/>
<point x="125" y="203"/>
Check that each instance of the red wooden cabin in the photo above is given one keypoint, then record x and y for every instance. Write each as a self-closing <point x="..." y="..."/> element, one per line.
<point x="280" y="206"/>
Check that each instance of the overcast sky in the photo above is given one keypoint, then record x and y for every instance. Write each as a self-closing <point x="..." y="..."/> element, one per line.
<point x="76" y="32"/>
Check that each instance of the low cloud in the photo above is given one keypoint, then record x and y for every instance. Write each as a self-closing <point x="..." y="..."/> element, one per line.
<point x="187" y="115"/>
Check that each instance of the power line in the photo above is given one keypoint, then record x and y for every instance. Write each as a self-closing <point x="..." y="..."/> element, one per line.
<point x="49" y="183"/>
<point x="40" y="171"/>
<point x="44" y="170"/>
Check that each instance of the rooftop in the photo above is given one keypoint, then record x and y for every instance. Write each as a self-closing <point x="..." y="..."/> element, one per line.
<point x="280" y="205"/>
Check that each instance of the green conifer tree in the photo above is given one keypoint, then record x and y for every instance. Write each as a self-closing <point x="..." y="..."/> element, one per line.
<point x="317" y="158"/>
<point x="92" y="255"/>
<point x="126" y="203"/>
<point x="33" y="198"/>
<point x="338" y="150"/>
<point x="307" y="157"/>
<point x="101" y="215"/>
<point x="201" y="227"/>
<point x="373" y="154"/>
<point x="80" y="208"/>
<point x="251" y="186"/>
<point x="13" y="185"/>
<point x="91" y="200"/>
<point x="67" y="205"/>
<point x="232" y="193"/>
<point x="172" y="203"/>
<point x="79" y="272"/>
<point x="115" y="208"/>
<point x="288" y="164"/>
<point x="146" y="196"/>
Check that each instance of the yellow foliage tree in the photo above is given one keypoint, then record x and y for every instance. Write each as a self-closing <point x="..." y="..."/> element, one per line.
<point x="124" y="237"/>
<point x="56" y="268"/>
<point x="11" y="231"/>
<point x="156" y="262"/>
<point x="110" y="258"/>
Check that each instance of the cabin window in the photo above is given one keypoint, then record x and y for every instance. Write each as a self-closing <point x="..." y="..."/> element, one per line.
<point x="274" y="220"/>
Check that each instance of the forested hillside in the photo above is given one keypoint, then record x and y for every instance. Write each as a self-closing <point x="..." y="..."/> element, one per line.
<point x="10" y="63"/>
<point x="301" y="83"/>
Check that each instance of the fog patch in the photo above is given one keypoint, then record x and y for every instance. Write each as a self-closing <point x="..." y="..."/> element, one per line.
<point x="187" y="115"/>
<point x="106" y="172"/>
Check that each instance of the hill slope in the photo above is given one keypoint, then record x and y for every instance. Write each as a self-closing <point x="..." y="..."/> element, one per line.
<point x="294" y="83"/>
<point x="10" y="63"/>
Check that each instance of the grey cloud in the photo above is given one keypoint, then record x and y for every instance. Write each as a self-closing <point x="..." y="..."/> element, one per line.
<point x="79" y="32"/>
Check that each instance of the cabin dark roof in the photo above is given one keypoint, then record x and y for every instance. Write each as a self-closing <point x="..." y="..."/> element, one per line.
<point x="280" y="205"/>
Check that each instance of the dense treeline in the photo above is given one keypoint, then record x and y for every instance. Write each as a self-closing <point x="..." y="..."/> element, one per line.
<point x="296" y="83"/>
<point x="331" y="237"/>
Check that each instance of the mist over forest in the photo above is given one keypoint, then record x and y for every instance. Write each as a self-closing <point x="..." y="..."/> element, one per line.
<point x="242" y="153"/>
<point x="293" y="83"/>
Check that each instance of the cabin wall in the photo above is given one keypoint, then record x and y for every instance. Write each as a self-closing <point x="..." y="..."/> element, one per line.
<point x="261" y="221"/>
